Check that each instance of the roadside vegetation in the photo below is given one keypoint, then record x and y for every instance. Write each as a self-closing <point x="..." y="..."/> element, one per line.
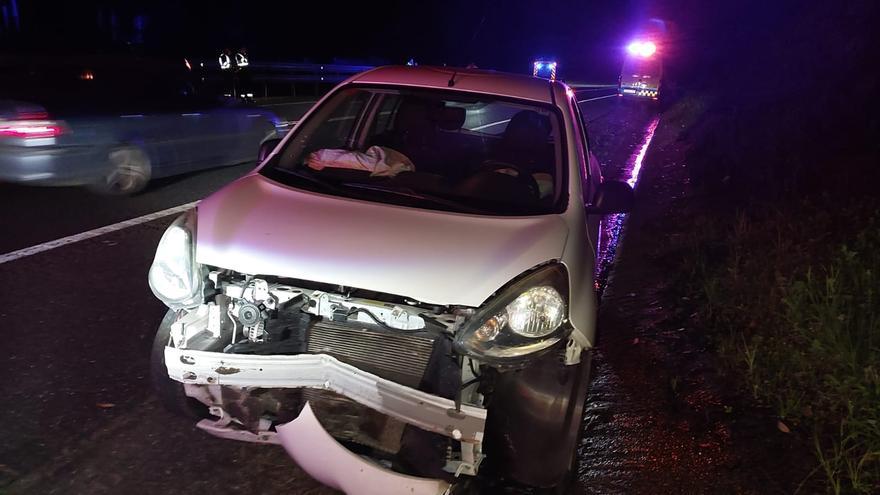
<point x="794" y="311"/>
<point x="781" y="261"/>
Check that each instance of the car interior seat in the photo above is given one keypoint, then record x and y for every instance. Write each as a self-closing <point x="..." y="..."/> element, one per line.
<point x="525" y="143"/>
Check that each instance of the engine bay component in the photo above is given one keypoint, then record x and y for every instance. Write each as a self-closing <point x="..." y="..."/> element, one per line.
<point x="250" y="314"/>
<point x="254" y="308"/>
<point x="332" y="306"/>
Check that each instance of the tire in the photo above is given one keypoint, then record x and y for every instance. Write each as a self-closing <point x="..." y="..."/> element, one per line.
<point x="170" y="392"/>
<point x="569" y="481"/>
<point x="129" y="172"/>
<point x="522" y="422"/>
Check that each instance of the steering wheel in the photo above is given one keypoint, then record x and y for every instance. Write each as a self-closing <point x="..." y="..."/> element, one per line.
<point x="525" y="177"/>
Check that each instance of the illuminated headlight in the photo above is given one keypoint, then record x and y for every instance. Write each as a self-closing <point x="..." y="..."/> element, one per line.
<point x="527" y="317"/>
<point x="536" y="312"/>
<point x="174" y="276"/>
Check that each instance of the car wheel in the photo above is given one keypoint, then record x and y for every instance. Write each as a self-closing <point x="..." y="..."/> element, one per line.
<point x="129" y="172"/>
<point x="522" y="422"/>
<point x="569" y="481"/>
<point x="170" y="392"/>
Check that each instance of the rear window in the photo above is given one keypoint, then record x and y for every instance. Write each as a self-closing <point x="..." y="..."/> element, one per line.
<point x="433" y="149"/>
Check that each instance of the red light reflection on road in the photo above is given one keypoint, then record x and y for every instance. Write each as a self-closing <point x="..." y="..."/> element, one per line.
<point x="640" y="156"/>
<point x="612" y="225"/>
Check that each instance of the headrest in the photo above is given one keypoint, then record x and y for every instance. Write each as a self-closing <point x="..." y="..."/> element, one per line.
<point x="449" y="118"/>
<point x="527" y="127"/>
<point x="418" y="113"/>
<point x="412" y="113"/>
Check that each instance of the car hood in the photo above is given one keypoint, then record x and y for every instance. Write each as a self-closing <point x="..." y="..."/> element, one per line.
<point x="256" y="226"/>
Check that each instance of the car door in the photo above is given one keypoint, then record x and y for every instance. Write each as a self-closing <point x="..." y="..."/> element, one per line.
<point x="590" y="173"/>
<point x="236" y="133"/>
<point x="154" y="113"/>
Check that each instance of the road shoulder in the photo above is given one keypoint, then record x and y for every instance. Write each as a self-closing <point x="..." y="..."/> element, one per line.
<point x="662" y="417"/>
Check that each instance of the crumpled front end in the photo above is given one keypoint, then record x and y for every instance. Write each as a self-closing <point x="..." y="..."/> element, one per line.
<point x="364" y="393"/>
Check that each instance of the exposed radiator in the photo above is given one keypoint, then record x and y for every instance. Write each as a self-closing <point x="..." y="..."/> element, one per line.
<point x="396" y="355"/>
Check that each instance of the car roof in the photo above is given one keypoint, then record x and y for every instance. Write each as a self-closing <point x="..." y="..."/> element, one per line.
<point x="472" y="80"/>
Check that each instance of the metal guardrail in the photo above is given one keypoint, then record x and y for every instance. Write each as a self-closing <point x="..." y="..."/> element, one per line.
<point x="298" y="78"/>
<point x="312" y="68"/>
<point x="302" y="72"/>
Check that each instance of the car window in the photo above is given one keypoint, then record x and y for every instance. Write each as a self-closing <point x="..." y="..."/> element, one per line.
<point x="489" y="119"/>
<point x="584" y="137"/>
<point x="434" y="149"/>
<point x="385" y="113"/>
<point x="637" y="67"/>
<point x="332" y="128"/>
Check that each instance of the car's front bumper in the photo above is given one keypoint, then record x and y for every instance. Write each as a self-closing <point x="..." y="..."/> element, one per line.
<point x="320" y="371"/>
<point x="306" y="440"/>
<point x="326" y="460"/>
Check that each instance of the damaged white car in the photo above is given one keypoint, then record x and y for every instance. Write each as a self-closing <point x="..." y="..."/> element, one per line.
<point x="402" y="293"/>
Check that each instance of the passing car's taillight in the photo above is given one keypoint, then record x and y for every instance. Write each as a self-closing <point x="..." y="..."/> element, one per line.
<point x="526" y="317"/>
<point x="30" y="128"/>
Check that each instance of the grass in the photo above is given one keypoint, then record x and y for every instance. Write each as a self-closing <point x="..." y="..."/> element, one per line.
<point x="792" y="298"/>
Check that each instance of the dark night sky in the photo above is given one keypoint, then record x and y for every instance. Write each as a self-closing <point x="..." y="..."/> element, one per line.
<point x="586" y="36"/>
<point x="724" y="40"/>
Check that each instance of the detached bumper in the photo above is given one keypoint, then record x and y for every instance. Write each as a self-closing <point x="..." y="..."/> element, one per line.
<point x="326" y="460"/>
<point x="320" y="371"/>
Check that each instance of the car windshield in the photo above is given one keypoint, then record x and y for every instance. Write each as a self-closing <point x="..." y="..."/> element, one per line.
<point x="434" y="149"/>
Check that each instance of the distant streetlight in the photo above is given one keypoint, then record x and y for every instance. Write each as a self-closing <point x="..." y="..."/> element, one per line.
<point x="225" y="62"/>
<point x="241" y="59"/>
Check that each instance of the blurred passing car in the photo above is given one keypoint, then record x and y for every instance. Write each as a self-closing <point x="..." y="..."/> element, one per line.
<point x="113" y="124"/>
<point x="642" y="71"/>
<point x="407" y="276"/>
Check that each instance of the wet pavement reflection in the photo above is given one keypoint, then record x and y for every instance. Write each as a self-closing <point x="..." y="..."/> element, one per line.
<point x="612" y="225"/>
<point x="654" y="422"/>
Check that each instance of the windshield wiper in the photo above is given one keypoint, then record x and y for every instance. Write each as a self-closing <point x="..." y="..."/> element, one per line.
<point x="311" y="178"/>
<point x="410" y="193"/>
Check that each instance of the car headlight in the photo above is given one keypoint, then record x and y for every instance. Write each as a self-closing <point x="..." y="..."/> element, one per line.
<point x="174" y="276"/>
<point x="528" y="316"/>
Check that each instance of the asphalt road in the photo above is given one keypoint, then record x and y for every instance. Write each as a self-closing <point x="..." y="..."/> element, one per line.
<point x="79" y="320"/>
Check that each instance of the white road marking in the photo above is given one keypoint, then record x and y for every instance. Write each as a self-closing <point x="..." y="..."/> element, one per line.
<point x="46" y="246"/>
<point x="596" y="98"/>
<point x="289" y="103"/>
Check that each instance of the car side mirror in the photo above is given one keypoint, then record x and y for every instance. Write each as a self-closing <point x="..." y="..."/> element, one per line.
<point x="612" y="197"/>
